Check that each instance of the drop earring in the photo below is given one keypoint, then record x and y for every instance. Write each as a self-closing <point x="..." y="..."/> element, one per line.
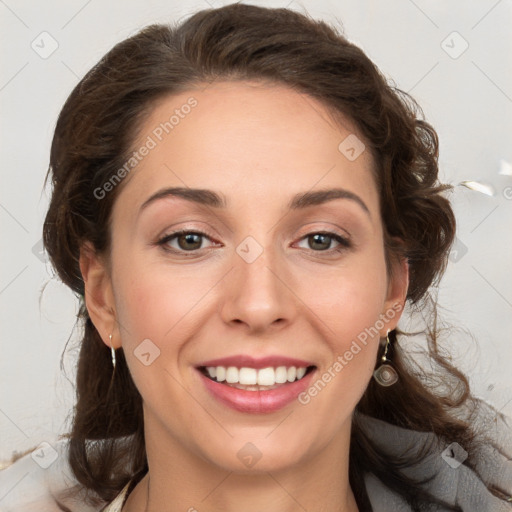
<point x="113" y="352"/>
<point x="385" y="374"/>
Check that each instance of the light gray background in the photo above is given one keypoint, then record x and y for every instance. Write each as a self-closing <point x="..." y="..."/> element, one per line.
<point x="467" y="97"/>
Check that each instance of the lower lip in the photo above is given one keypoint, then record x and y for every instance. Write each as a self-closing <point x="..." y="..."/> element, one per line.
<point x="257" y="402"/>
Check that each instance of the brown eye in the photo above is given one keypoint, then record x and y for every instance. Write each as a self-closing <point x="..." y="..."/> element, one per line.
<point x="190" y="241"/>
<point x="319" y="242"/>
<point x="184" y="241"/>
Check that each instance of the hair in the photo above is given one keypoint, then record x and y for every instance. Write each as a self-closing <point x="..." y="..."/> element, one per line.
<point x="94" y="137"/>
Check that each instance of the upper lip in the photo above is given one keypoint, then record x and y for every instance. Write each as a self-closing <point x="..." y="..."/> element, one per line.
<point x="241" y="361"/>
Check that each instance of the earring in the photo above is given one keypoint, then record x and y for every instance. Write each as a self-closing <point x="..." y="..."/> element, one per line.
<point x="385" y="374"/>
<point x="112" y="351"/>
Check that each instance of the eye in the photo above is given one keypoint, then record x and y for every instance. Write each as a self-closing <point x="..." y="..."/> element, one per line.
<point x="183" y="241"/>
<point x="321" y="241"/>
<point x="190" y="241"/>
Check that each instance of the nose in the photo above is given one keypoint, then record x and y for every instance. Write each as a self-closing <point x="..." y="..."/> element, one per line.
<point x="256" y="295"/>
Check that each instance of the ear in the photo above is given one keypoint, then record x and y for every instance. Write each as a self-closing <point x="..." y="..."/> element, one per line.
<point x="99" y="297"/>
<point x="398" y="284"/>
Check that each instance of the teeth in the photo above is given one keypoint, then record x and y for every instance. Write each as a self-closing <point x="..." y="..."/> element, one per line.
<point x="281" y="375"/>
<point x="266" y="377"/>
<point x="220" y="373"/>
<point x="247" y="376"/>
<point x="232" y="375"/>
<point x="251" y="376"/>
<point x="300" y="373"/>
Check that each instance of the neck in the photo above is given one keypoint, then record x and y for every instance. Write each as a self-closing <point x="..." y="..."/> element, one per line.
<point x="178" y="481"/>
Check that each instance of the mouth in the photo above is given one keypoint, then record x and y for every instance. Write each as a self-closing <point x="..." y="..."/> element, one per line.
<point x="253" y="379"/>
<point x="256" y="386"/>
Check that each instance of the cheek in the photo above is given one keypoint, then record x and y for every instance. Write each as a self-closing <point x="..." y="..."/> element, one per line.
<point x="350" y="305"/>
<point x="154" y="311"/>
<point x="154" y="305"/>
<point x="349" y="299"/>
<point x="152" y="297"/>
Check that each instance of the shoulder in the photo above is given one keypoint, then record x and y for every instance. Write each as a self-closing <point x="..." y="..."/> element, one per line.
<point x="31" y="481"/>
<point x="450" y="480"/>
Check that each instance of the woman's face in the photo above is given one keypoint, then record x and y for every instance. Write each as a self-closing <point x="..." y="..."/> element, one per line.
<point x="275" y="271"/>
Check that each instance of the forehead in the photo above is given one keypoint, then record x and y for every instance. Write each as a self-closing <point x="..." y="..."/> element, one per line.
<point x="247" y="139"/>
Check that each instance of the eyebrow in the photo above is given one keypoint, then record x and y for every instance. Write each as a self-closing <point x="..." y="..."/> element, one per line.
<point x="213" y="199"/>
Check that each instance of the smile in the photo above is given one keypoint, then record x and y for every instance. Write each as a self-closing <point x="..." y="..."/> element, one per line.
<point x="253" y="379"/>
<point x="253" y="385"/>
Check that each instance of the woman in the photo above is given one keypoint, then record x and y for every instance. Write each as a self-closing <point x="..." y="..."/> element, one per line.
<point x="246" y="207"/>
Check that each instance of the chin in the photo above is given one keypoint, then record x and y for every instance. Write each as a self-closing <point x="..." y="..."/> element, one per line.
<point x="257" y="457"/>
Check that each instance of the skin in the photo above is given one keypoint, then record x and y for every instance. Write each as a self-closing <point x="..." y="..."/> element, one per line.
<point x="258" y="145"/>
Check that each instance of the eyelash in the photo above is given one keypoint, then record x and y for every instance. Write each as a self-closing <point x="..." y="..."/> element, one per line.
<point x="344" y="243"/>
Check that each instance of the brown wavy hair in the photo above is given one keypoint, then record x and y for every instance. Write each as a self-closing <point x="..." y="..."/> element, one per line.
<point x="94" y="137"/>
